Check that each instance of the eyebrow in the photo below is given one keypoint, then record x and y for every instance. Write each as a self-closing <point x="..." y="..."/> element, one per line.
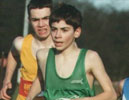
<point x="40" y="18"/>
<point x="65" y="27"/>
<point x="45" y="17"/>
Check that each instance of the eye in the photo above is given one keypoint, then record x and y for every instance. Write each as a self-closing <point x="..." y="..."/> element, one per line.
<point x="34" y="19"/>
<point x="65" y="30"/>
<point x="46" y="18"/>
<point x="53" y="29"/>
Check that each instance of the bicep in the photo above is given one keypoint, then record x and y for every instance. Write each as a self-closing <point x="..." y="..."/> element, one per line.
<point x="14" y="53"/>
<point x="40" y="77"/>
<point x="41" y="56"/>
<point x="11" y="59"/>
<point x="100" y="73"/>
<point x="16" y="47"/>
<point x="35" y="88"/>
<point x="41" y="67"/>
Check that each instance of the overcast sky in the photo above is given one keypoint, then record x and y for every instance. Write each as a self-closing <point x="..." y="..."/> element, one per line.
<point x="118" y="4"/>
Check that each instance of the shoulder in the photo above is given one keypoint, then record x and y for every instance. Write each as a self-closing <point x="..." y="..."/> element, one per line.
<point x="93" y="60"/>
<point x="92" y="55"/>
<point x="17" y="43"/>
<point x="42" y="53"/>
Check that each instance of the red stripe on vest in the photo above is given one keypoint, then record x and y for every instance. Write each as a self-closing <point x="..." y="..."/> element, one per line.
<point x="24" y="87"/>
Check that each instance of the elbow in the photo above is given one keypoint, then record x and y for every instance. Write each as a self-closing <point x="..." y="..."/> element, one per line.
<point x="114" y="95"/>
<point x="111" y="95"/>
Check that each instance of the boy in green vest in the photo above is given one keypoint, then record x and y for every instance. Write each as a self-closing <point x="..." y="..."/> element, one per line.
<point x="69" y="71"/>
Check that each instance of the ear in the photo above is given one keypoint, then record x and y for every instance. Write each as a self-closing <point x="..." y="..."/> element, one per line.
<point x="77" y="32"/>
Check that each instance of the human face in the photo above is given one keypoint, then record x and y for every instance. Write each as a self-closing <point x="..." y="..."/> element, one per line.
<point x="63" y="35"/>
<point x="39" y="19"/>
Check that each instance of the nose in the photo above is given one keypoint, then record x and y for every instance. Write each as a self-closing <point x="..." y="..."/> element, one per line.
<point x="58" y="34"/>
<point x="41" y="23"/>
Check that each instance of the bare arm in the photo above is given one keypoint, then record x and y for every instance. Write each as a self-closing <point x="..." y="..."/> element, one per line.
<point x="36" y="86"/>
<point x="97" y="68"/>
<point x="119" y="86"/>
<point x="35" y="90"/>
<point x="11" y="65"/>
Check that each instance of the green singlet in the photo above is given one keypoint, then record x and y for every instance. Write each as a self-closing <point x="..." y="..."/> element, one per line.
<point x="75" y="86"/>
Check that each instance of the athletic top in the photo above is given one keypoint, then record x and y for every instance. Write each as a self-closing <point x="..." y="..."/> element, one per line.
<point x="125" y="92"/>
<point x="75" y="86"/>
<point x="29" y="63"/>
<point x="28" y="69"/>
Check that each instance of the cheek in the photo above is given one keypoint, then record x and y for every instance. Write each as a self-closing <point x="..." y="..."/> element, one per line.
<point x="34" y="26"/>
<point x="47" y="22"/>
<point x="69" y="38"/>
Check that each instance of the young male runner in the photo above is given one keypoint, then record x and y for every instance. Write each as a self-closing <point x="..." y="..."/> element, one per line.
<point x="26" y="47"/>
<point x="69" y="71"/>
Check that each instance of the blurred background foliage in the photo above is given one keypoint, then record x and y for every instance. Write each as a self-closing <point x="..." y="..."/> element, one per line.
<point x="103" y="31"/>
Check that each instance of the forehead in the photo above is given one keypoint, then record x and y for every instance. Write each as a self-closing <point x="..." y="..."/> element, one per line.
<point x="40" y="12"/>
<point x="61" y="24"/>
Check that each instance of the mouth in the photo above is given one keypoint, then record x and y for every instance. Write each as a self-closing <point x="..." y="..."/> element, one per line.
<point x="58" y="44"/>
<point x="42" y="31"/>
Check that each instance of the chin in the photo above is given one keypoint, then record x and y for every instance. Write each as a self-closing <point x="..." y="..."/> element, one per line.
<point x="43" y="37"/>
<point x="60" y="49"/>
